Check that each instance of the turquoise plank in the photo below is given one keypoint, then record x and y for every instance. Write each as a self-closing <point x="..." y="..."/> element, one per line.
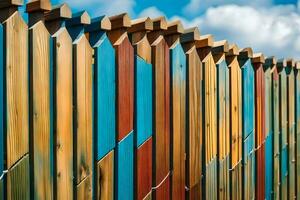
<point x="124" y="171"/>
<point x="269" y="167"/>
<point x="248" y="103"/>
<point x="143" y="101"/>
<point x="2" y="110"/>
<point x="104" y="94"/>
<point x="284" y="163"/>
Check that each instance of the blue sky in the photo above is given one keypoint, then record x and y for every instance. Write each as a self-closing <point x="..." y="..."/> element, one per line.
<point x="270" y="26"/>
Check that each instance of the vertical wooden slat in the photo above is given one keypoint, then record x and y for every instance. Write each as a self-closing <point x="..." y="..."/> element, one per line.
<point x="2" y="108"/>
<point x="297" y="120"/>
<point x="161" y="109"/>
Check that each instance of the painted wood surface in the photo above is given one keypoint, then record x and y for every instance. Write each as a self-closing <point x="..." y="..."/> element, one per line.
<point x="18" y="180"/>
<point x="63" y="117"/>
<point x="161" y="114"/>
<point x="143" y="101"/>
<point x="276" y="132"/>
<point x="178" y="120"/>
<point x="235" y="127"/>
<point x="260" y="130"/>
<point x="283" y="133"/>
<point x="209" y="121"/>
<point x="84" y="189"/>
<point x="163" y="191"/>
<point x="125" y="86"/>
<point x="83" y="113"/>
<point x="104" y="94"/>
<point x="105" y="177"/>
<point x="16" y="76"/>
<point x="297" y="120"/>
<point x="41" y="111"/>
<point x="269" y="134"/>
<point x="144" y="170"/>
<point x="248" y="128"/>
<point x="194" y="126"/>
<point x="124" y="174"/>
<point x="291" y="132"/>
<point x="223" y="105"/>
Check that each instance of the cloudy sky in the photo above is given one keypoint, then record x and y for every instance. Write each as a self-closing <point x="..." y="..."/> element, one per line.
<point x="270" y="26"/>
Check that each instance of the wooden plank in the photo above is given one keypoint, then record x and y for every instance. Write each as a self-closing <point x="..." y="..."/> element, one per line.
<point x="163" y="191"/>
<point x="41" y="113"/>
<point x="224" y="179"/>
<point x="297" y="109"/>
<point x="105" y="177"/>
<point x="84" y="189"/>
<point x="178" y="117"/>
<point x="2" y="117"/>
<point x="194" y="126"/>
<point x="16" y="72"/>
<point x="124" y="188"/>
<point x="284" y="173"/>
<point x="18" y="180"/>
<point x="104" y="94"/>
<point x="161" y="113"/>
<point x="144" y="170"/>
<point x="63" y="115"/>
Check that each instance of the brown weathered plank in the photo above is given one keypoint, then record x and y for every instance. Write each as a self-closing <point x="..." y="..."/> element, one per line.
<point x="84" y="189"/>
<point x="18" y="180"/>
<point x="105" y="177"/>
<point x="63" y="114"/>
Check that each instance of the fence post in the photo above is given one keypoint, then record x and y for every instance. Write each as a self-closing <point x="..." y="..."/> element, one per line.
<point x="15" y="100"/>
<point x="248" y="123"/>
<point x="104" y="102"/>
<point x="219" y="50"/>
<point x="41" y="105"/>
<point x="258" y="60"/>
<point x="125" y="104"/>
<point x="193" y="113"/>
<point x="161" y="110"/>
<point x="235" y="121"/>
<point x="209" y="117"/>
<point x="297" y="115"/>
<point x="178" y="109"/>
<point x="142" y="106"/>
<point x="62" y="101"/>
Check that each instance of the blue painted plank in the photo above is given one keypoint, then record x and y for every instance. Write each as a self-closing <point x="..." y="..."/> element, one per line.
<point x="143" y="101"/>
<point x="124" y="171"/>
<point x="104" y="94"/>
<point x="2" y="113"/>
<point x="248" y="103"/>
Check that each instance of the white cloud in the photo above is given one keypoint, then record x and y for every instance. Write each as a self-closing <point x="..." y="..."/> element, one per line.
<point x="274" y="30"/>
<point x="151" y="12"/>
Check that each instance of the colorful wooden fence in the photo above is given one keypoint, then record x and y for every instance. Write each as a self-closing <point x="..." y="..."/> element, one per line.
<point x="114" y="108"/>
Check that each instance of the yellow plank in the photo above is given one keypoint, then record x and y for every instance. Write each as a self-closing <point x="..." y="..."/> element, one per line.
<point x="64" y="115"/>
<point x="84" y="189"/>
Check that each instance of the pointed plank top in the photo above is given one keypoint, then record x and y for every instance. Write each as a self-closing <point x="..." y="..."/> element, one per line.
<point x="205" y="41"/>
<point x="98" y="24"/>
<point x="220" y="47"/>
<point x="120" y="21"/>
<point x="80" y="18"/>
<point x="38" y="5"/>
<point x="233" y="50"/>
<point x="10" y="3"/>
<point x="246" y="53"/>
<point x="62" y="11"/>
<point x="190" y="35"/>
<point x="258" y="58"/>
<point x="140" y="25"/>
<point x="271" y="61"/>
<point x="160" y="23"/>
<point x="174" y="27"/>
<point x="290" y="62"/>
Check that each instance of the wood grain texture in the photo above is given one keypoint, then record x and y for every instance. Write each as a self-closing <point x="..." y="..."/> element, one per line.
<point x="297" y="103"/>
<point x="124" y="172"/>
<point x="104" y="94"/>
<point x="178" y="117"/>
<point x="163" y="191"/>
<point x="144" y="170"/>
<point x="84" y="189"/>
<point x="41" y="144"/>
<point x="161" y="113"/>
<point x="18" y="180"/>
<point x="224" y="178"/>
<point x="2" y="117"/>
<point x="63" y="114"/>
<point x="291" y="132"/>
<point x="16" y="69"/>
<point x="143" y="101"/>
<point x="194" y="126"/>
<point x="125" y="86"/>
<point x="105" y="177"/>
<point x="83" y="94"/>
